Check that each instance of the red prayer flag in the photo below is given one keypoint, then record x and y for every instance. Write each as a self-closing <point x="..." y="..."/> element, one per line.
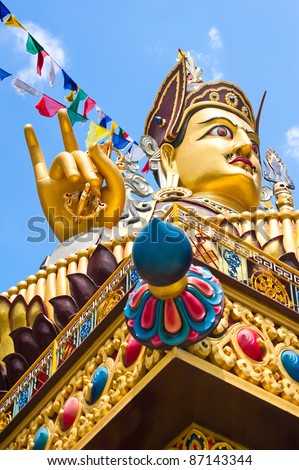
<point x="146" y="168"/>
<point x="88" y="106"/>
<point x="48" y="107"/>
<point x="40" y="61"/>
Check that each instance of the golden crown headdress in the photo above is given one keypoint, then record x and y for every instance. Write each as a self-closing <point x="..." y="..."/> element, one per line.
<point x="182" y="91"/>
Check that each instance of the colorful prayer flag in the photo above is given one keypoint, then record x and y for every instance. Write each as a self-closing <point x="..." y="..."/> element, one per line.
<point x="40" y="61"/>
<point x="81" y="95"/>
<point x="12" y="21"/>
<point x="96" y="133"/>
<point x="4" y="74"/>
<point x="22" y="88"/>
<point x="119" y="142"/>
<point x="3" y="11"/>
<point x="75" y="117"/>
<point x="136" y="152"/>
<point x="88" y="106"/>
<point x="146" y="168"/>
<point x="48" y="107"/>
<point x="69" y="84"/>
<point x="52" y="74"/>
<point x="100" y="113"/>
<point x="32" y="45"/>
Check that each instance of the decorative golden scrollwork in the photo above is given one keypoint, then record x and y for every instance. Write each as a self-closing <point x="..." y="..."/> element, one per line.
<point x="268" y="284"/>
<point x="113" y="297"/>
<point x="5" y="419"/>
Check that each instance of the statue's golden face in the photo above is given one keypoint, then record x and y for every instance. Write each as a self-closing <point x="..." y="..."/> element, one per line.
<point x="219" y="155"/>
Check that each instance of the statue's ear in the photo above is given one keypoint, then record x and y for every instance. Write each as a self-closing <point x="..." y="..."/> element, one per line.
<point x="169" y="165"/>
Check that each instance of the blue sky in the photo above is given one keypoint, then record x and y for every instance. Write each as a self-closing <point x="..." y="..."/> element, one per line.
<point x="118" y="53"/>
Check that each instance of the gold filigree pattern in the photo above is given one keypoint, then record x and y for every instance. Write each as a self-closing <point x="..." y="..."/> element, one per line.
<point x="265" y="282"/>
<point x="5" y="419"/>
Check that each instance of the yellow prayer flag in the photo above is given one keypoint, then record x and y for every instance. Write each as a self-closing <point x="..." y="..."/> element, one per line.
<point x="113" y="127"/>
<point x="12" y="21"/>
<point x="70" y="97"/>
<point x="96" y="133"/>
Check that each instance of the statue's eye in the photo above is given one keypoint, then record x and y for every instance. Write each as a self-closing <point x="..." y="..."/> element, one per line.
<point x="221" y="131"/>
<point x="255" y="149"/>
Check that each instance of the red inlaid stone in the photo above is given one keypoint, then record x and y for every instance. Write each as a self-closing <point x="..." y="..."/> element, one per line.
<point x="249" y="341"/>
<point x="70" y="411"/>
<point x="132" y="351"/>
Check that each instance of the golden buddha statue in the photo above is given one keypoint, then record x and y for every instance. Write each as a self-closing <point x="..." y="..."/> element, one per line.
<point x="202" y="143"/>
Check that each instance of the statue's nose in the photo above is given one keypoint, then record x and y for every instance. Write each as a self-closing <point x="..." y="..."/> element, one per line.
<point x="242" y="144"/>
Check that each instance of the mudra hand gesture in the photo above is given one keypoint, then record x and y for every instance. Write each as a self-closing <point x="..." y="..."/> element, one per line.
<point x="70" y="191"/>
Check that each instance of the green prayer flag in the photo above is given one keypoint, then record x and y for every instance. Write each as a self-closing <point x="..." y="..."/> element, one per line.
<point x="75" y="117"/>
<point x="81" y="95"/>
<point x="33" y="46"/>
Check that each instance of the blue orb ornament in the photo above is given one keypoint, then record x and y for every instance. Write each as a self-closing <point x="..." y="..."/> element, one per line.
<point x="41" y="439"/>
<point x="290" y="361"/>
<point x="162" y="253"/>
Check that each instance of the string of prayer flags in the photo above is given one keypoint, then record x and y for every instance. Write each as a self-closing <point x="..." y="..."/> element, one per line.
<point x="4" y="74"/>
<point x="4" y="11"/>
<point x="106" y="128"/>
<point x="12" y="21"/>
<point x="48" y="107"/>
<point x="69" y="84"/>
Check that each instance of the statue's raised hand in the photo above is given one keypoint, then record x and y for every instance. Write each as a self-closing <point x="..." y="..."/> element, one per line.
<point x="70" y="191"/>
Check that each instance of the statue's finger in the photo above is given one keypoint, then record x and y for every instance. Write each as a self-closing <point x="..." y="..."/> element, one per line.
<point x="64" y="165"/>
<point x="67" y="132"/>
<point x="87" y="170"/>
<point x="106" y="167"/>
<point x="36" y="154"/>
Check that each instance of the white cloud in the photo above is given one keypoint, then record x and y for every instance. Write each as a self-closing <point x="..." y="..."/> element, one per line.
<point x="292" y="149"/>
<point x="209" y="65"/>
<point x="51" y="44"/>
<point x="216" y="74"/>
<point x="215" y="38"/>
<point x="156" y="49"/>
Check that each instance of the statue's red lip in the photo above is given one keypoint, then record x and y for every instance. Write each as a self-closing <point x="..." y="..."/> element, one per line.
<point x="245" y="161"/>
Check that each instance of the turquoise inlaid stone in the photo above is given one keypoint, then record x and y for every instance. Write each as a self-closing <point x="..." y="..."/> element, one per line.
<point x="41" y="439"/>
<point x="99" y="381"/>
<point x="290" y="361"/>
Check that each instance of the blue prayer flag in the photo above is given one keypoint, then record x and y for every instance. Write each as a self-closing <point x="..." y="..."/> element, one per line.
<point x="69" y="84"/>
<point x="4" y="74"/>
<point x="3" y="11"/>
